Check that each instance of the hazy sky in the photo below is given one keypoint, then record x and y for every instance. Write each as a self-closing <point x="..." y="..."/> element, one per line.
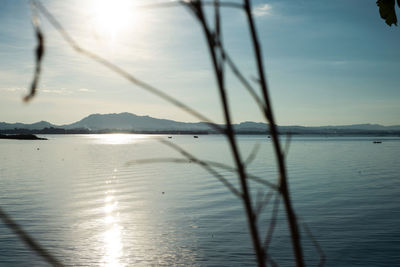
<point x="328" y="62"/>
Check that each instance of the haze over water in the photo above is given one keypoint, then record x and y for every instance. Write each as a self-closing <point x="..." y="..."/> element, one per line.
<point x="79" y="198"/>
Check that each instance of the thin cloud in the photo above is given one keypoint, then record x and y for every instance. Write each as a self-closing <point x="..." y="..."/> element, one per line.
<point x="12" y="89"/>
<point x="86" y="90"/>
<point x="61" y="91"/>
<point x="262" y="10"/>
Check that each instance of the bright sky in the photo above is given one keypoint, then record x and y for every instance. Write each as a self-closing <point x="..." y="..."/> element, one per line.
<point x="328" y="62"/>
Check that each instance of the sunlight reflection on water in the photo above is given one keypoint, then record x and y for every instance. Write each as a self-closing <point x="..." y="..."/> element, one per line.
<point x="112" y="239"/>
<point x="117" y="139"/>
<point x="78" y="198"/>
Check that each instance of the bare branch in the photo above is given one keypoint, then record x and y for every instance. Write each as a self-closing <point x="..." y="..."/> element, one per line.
<point x="284" y="185"/>
<point x="203" y="164"/>
<point x="53" y="21"/>
<point x="244" y="82"/>
<point x="39" y="53"/>
<point x="218" y="59"/>
<point x="210" y="163"/>
<point x="224" y="4"/>
<point x="249" y="175"/>
<point x="177" y="3"/>
<point x="316" y="244"/>
<point x="272" y="223"/>
<point x="218" y="38"/>
<point x="261" y="204"/>
<point x="271" y="260"/>
<point x="197" y="8"/>
<point x="252" y="154"/>
<point x="28" y="240"/>
<point x="287" y="144"/>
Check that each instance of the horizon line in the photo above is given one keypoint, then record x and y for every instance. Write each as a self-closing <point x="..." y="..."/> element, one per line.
<point x="293" y="125"/>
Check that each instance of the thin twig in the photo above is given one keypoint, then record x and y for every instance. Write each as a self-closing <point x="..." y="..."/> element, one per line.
<point x="204" y="164"/>
<point x="252" y="155"/>
<point x="261" y="204"/>
<point x="271" y="261"/>
<point x="316" y="244"/>
<point x="244" y="82"/>
<point x="225" y="57"/>
<point x="218" y="39"/>
<point x="287" y="144"/>
<point x="284" y="186"/>
<point x="39" y="53"/>
<point x="189" y="159"/>
<point x="197" y="9"/>
<point x="177" y="3"/>
<point x="210" y="163"/>
<point x="218" y="57"/>
<point x="272" y="223"/>
<point x="54" y="22"/>
<point x="28" y="240"/>
<point x="249" y="175"/>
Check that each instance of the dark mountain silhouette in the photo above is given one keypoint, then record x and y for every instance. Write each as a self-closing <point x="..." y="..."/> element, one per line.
<point x="128" y="122"/>
<point x="131" y="122"/>
<point x="34" y="126"/>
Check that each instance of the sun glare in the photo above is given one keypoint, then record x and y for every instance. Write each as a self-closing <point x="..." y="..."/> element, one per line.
<point x="113" y="233"/>
<point x="112" y="17"/>
<point x="117" y="139"/>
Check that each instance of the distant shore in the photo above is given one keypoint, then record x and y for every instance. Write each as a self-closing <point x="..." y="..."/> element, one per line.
<point x="29" y="134"/>
<point x="21" y="137"/>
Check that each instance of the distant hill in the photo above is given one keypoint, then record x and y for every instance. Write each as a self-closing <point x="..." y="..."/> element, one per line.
<point x="343" y="129"/>
<point x="131" y="122"/>
<point x="34" y="126"/>
<point x="128" y="122"/>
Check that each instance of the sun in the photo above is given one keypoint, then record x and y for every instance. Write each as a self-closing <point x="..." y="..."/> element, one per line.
<point x="111" y="18"/>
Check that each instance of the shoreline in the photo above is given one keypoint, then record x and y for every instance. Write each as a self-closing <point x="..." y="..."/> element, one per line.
<point x="21" y="137"/>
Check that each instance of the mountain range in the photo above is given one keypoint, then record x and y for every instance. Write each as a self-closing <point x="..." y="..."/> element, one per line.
<point x="128" y="122"/>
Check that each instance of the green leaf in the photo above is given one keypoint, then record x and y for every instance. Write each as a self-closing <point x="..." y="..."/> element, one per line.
<point x="387" y="12"/>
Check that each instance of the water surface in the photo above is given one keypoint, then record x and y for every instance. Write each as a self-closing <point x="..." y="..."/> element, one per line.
<point x="79" y="198"/>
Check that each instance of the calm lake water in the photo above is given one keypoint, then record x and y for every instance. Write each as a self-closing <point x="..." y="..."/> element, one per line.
<point x="79" y="197"/>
